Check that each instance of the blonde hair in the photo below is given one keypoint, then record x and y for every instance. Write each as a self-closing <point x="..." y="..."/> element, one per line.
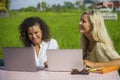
<point x="99" y="31"/>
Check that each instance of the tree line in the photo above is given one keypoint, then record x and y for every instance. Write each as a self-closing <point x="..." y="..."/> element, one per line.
<point x="67" y="6"/>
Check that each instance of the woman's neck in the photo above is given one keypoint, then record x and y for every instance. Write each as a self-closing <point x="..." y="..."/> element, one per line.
<point x="91" y="43"/>
<point x="90" y="37"/>
<point x="37" y="48"/>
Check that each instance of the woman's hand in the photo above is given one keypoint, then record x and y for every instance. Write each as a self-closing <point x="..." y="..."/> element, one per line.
<point x="46" y="64"/>
<point x="89" y="64"/>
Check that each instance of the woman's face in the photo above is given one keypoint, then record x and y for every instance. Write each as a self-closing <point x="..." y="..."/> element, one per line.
<point x="35" y="34"/>
<point x="84" y="24"/>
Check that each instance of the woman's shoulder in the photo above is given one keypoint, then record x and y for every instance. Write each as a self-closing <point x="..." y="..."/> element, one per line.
<point x="99" y="44"/>
<point x="53" y="44"/>
<point x="52" y="40"/>
<point x="104" y="46"/>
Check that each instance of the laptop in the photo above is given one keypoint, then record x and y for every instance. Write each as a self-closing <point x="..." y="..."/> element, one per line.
<point x="64" y="59"/>
<point x="19" y="59"/>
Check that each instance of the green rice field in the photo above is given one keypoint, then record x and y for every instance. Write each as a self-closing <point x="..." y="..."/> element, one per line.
<point x="63" y="27"/>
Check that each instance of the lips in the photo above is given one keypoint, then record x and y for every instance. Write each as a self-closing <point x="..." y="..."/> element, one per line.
<point x="81" y="27"/>
<point x="35" y="40"/>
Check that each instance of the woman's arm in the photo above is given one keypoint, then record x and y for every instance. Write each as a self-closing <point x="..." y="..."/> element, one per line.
<point x="115" y="62"/>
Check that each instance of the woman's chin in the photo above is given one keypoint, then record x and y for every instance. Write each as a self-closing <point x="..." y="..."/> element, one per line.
<point x="35" y="43"/>
<point x="81" y="31"/>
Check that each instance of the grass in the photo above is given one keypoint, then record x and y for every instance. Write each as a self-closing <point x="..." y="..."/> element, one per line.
<point x="63" y="27"/>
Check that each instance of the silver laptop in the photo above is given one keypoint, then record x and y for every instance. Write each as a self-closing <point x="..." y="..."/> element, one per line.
<point x="19" y="59"/>
<point x="65" y="59"/>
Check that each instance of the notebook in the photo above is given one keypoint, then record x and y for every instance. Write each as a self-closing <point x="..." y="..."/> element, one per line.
<point x="19" y="59"/>
<point x="64" y="59"/>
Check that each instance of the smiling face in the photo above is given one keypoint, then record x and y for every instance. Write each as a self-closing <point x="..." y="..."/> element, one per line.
<point x="84" y="24"/>
<point x="35" y="34"/>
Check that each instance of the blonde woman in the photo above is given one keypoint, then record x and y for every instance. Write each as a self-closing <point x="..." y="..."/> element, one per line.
<point x="97" y="46"/>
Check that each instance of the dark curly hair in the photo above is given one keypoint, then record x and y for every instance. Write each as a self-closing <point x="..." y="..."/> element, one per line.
<point x="31" y="21"/>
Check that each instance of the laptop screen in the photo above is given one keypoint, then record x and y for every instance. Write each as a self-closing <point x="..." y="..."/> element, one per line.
<point x="65" y="59"/>
<point x="19" y="59"/>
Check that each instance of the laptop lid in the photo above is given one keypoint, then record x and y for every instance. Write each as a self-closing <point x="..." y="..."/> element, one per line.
<point x="19" y="59"/>
<point x="64" y="59"/>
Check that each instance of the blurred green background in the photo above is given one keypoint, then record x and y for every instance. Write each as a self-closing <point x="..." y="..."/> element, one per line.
<point x="63" y="27"/>
<point x="63" y="21"/>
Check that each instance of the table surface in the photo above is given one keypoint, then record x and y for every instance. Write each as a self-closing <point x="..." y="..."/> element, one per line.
<point x="47" y="75"/>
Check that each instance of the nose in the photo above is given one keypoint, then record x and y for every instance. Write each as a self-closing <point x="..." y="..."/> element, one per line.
<point x="80" y="23"/>
<point x="34" y="36"/>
